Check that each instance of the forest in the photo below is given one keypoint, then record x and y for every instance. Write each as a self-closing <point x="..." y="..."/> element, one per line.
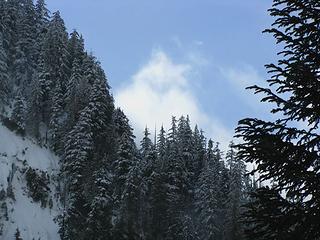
<point x="178" y="184"/>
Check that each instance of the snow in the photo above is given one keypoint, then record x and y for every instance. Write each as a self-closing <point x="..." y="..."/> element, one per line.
<point x="32" y="220"/>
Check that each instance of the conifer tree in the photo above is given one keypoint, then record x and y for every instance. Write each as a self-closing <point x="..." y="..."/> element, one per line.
<point x="75" y="97"/>
<point x="236" y="196"/>
<point x="162" y="146"/>
<point x="55" y="52"/>
<point x="126" y="151"/>
<point x="177" y="182"/>
<point x="286" y="151"/>
<point x="42" y="16"/>
<point x="88" y="143"/>
<point x="10" y="20"/>
<point x="157" y="191"/>
<point x="75" y="48"/>
<point x="19" y="111"/>
<point x="132" y="209"/>
<point x="146" y="145"/>
<point x="38" y="100"/>
<point x="199" y="151"/>
<point x="24" y="59"/>
<point x="41" y="23"/>
<point x="4" y="84"/>
<point x="99" y="221"/>
<point x="56" y="121"/>
<point x="207" y="198"/>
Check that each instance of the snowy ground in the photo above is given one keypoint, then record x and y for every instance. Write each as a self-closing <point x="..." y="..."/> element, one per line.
<point x="33" y="221"/>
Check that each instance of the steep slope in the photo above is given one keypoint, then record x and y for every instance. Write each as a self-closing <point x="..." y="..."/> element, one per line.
<point x="31" y="208"/>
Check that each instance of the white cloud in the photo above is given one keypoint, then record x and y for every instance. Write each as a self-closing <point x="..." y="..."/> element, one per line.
<point x="243" y="77"/>
<point x="161" y="89"/>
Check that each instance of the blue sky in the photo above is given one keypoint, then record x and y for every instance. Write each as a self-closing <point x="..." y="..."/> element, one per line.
<point x="169" y="57"/>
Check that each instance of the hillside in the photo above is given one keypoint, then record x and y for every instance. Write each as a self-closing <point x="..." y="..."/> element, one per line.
<point x="17" y="156"/>
<point x="53" y="91"/>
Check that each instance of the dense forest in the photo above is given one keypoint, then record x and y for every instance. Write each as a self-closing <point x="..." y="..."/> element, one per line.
<point x="179" y="184"/>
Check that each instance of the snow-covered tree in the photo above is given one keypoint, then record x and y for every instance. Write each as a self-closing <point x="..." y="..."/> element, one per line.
<point x="56" y="121"/>
<point x="236" y="196"/>
<point x="24" y="60"/>
<point x="207" y="198"/>
<point x="55" y="52"/>
<point x="4" y="78"/>
<point x="99" y="222"/>
<point x="126" y="151"/>
<point x="19" y="111"/>
<point x="75" y="48"/>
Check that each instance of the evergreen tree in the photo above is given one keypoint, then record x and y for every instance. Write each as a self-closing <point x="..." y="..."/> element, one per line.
<point x="177" y="183"/>
<point x="75" y="48"/>
<point x="236" y="196"/>
<point x="157" y="192"/>
<point x="286" y="151"/>
<point x="56" y="121"/>
<point x="146" y="145"/>
<point x="126" y="152"/>
<point x="55" y="52"/>
<point x="207" y="198"/>
<point x="132" y="203"/>
<point x="148" y="167"/>
<point x="38" y="100"/>
<point x="10" y="21"/>
<point x="4" y="79"/>
<point x="78" y="153"/>
<point x="18" y="113"/>
<point x="24" y="59"/>
<point x="199" y="151"/>
<point x="42" y="15"/>
<point x="99" y="222"/>
<point x="75" y="97"/>
<point x="42" y="21"/>
<point x="161" y="148"/>
<point x="88" y="143"/>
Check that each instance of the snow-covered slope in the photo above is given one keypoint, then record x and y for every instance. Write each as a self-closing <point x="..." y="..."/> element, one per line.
<point x="17" y="155"/>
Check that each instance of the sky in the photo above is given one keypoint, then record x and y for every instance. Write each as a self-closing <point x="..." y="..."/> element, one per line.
<point x="174" y="57"/>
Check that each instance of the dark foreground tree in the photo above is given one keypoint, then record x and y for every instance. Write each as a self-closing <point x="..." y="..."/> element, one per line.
<point x="286" y="150"/>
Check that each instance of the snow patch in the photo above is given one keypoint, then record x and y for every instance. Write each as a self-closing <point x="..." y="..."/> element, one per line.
<point x="16" y="155"/>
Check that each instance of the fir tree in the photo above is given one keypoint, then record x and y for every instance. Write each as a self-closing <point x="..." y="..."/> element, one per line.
<point x="56" y="121"/>
<point x="42" y="20"/>
<point x="207" y="198"/>
<point x="38" y="100"/>
<point x="177" y="183"/>
<point x="87" y="144"/>
<point x="4" y="84"/>
<point x="75" y="48"/>
<point x="75" y="97"/>
<point x="55" y="52"/>
<point x="42" y="15"/>
<point x="282" y="150"/>
<point x="99" y="221"/>
<point x="10" y="35"/>
<point x="157" y="192"/>
<point x="236" y="196"/>
<point x="24" y="59"/>
<point x="19" y="111"/>
<point x="126" y="151"/>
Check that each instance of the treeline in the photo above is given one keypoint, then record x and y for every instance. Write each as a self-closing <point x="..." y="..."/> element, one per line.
<point x="180" y="186"/>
